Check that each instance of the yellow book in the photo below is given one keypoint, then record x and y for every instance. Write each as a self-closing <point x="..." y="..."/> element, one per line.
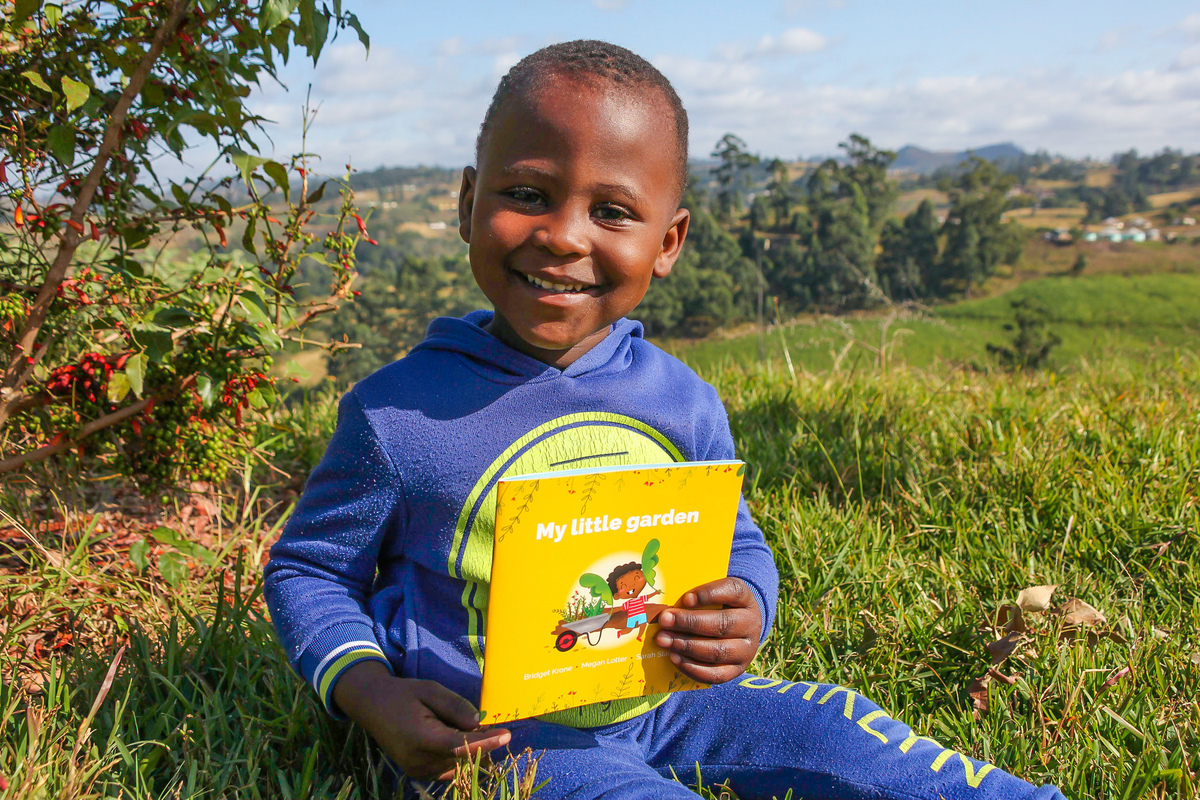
<point x="583" y="564"/>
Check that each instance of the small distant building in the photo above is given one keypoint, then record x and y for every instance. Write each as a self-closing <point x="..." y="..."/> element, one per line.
<point x="1154" y="235"/>
<point x="1113" y="222"/>
<point x="437" y="226"/>
<point x="1135" y="236"/>
<point x="1091" y="236"/>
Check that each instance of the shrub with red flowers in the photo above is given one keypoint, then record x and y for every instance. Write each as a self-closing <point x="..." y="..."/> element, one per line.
<point x="114" y="348"/>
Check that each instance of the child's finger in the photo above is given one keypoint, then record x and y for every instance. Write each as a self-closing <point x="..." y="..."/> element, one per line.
<point x="733" y="592"/>
<point x="719" y="623"/>
<point x="709" y="651"/>
<point x="485" y="740"/>
<point x="450" y="708"/>
<point x="449" y="743"/>
<point x="707" y="673"/>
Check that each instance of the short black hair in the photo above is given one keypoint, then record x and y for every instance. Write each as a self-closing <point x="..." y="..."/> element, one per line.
<point x="624" y="569"/>
<point x="589" y="57"/>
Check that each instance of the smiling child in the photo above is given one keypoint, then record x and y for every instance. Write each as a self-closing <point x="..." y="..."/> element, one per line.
<point x="378" y="586"/>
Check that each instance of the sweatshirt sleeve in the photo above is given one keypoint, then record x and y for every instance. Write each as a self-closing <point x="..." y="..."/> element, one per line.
<point x="323" y="566"/>
<point x="750" y="559"/>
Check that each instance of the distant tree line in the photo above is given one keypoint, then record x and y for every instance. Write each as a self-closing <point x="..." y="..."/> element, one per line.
<point x="828" y="240"/>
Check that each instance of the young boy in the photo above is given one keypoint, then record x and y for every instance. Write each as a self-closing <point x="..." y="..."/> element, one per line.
<point x="379" y="585"/>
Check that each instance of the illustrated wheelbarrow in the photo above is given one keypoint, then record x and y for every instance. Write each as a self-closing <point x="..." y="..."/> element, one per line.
<point x="566" y="634"/>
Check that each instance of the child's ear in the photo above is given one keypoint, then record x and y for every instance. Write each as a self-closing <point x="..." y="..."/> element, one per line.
<point x="466" y="201"/>
<point x="672" y="244"/>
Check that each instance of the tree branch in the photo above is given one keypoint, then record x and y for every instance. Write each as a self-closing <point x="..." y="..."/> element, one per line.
<point x="13" y="378"/>
<point x="108" y="420"/>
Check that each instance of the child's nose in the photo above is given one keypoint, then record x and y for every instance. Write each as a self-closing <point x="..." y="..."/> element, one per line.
<point x="563" y="232"/>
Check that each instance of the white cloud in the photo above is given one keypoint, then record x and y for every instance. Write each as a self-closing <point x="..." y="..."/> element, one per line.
<point x="611" y="5"/>
<point x="792" y="42"/>
<point x="1190" y="26"/>
<point x="1060" y="110"/>
<point x="1188" y="59"/>
<point x="409" y="108"/>
<point x="1110" y="41"/>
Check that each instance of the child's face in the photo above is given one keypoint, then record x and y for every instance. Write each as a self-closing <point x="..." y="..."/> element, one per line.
<point x="630" y="584"/>
<point x="572" y="210"/>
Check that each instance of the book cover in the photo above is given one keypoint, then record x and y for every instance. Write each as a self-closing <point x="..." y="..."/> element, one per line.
<point x="584" y="562"/>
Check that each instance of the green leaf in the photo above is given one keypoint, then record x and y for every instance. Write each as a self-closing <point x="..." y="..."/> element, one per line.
<point x="173" y="566"/>
<point x="248" y="236"/>
<point x="278" y="173"/>
<point x="118" y="387"/>
<point x="173" y="317"/>
<point x="293" y="370"/>
<point x="179" y="193"/>
<point x="316" y="194"/>
<point x="156" y="342"/>
<point x="204" y="387"/>
<point x="138" y="555"/>
<point x="164" y="535"/>
<point x="353" y="22"/>
<point x="320" y="24"/>
<point x="256" y="309"/>
<point x="22" y="10"/>
<point x="77" y="93"/>
<point x="597" y="585"/>
<point x="245" y="163"/>
<point x="53" y="12"/>
<point x="650" y="560"/>
<point x="256" y="399"/>
<point x="275" y="12"/>
<point x="135" y="369"/>
<point x="61" y="140"/>
<point x="37" y="80"/>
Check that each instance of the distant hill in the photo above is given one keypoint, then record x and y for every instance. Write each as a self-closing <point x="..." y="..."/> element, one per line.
<point x="916" y="159"/>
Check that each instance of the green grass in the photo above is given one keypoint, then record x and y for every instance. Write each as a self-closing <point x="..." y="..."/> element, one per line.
<point x="904" y="506"/>
<point x="1098" y="317"/>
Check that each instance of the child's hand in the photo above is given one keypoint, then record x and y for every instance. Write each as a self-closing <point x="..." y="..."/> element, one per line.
<point x="713" y="645"/>
<point x="422" y="725"/>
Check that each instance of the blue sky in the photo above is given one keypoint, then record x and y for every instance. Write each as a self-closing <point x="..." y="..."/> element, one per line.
<point x="791" y="77"/>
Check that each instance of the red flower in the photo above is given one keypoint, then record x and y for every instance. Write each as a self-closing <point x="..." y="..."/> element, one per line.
<point x="362" y="226"/>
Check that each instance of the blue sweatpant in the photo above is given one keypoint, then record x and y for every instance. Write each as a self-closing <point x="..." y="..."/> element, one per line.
<point x="765" y="737"/>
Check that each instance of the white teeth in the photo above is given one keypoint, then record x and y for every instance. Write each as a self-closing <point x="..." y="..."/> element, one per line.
<point x="555" y="287"/>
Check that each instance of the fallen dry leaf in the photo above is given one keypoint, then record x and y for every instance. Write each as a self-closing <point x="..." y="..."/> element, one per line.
<point x="1076" y="612"/>
<point x="1010" y="618"/>
<point x="1003" y="647"/>
<point x="978" y="692"/>
<point x="1036" y="598"/>
<point x="1196" y="658"/>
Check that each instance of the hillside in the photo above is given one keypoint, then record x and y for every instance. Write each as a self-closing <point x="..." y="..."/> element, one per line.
<point x="911" y="158"/>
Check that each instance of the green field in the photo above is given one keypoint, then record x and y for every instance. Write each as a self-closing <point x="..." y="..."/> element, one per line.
<point x="1097" y="317"/>
<point x="909" y="493"/>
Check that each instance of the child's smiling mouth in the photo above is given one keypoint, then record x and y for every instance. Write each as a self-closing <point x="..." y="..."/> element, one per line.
<point x="555" y="287"/>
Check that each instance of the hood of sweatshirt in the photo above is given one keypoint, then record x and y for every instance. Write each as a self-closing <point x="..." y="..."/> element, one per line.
<point x="496" y="361"/>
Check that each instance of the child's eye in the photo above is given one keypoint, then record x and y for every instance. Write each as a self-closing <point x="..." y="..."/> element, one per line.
<point x="524" y="195"/>
<point x="611" y="213"/>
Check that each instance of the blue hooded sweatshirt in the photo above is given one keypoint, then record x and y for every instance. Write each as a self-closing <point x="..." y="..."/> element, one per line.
<point x="388" y="553"/>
